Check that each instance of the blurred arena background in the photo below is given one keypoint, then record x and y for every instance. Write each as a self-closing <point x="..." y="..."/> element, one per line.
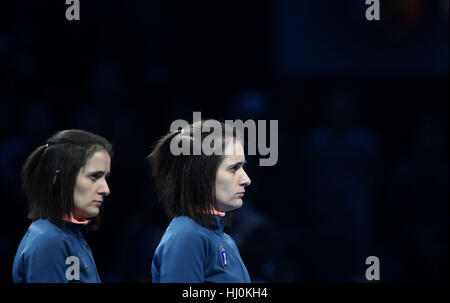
<point x="363" y="124"/>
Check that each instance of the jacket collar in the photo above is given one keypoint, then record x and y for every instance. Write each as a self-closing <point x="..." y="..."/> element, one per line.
<point x="73" y="225"/>
<point x="220" y="223"/>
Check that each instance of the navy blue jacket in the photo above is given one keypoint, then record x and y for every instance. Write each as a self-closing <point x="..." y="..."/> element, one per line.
<point x="192" y="253"/>
<point x="44" y="250"/>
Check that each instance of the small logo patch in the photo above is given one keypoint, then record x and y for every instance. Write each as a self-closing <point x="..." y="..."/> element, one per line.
<point x="223" y="257"/>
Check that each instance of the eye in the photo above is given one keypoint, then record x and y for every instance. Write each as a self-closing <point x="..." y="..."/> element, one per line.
<point x="235" y="168"/>
<point x="96" y="176"/>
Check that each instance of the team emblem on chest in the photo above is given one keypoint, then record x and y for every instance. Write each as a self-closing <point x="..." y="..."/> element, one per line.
<point x="224" y="257"/>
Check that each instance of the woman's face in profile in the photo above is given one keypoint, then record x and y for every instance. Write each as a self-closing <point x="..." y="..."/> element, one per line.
<point x="231" y="179"/>
<point x="91" y="186"/>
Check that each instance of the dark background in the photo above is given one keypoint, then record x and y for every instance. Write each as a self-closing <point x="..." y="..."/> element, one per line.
<point x="363" y="124"/>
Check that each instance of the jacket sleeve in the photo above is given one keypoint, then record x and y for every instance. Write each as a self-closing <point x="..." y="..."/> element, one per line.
<point x="46" y="261"/>
<point x="184" y="257"/>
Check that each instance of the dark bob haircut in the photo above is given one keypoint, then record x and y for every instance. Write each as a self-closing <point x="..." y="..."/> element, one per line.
<point x="50" y="173"/>
<point x="185" y="184"/>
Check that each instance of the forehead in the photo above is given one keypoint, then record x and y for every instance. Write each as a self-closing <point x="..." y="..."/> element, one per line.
<point x="100" y="160"/>
<point x="234" y="152"/>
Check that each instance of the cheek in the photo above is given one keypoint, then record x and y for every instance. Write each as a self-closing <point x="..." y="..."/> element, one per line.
<point x="82" y="192"/>
<point x="224" y="187"/>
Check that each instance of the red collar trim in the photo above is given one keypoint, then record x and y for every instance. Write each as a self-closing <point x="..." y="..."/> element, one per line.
<point x="73" y="220"/>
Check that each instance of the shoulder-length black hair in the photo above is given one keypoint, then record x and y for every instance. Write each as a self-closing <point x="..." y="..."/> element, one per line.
<point x="50" y="172"/>
<point x="185" y="184"/>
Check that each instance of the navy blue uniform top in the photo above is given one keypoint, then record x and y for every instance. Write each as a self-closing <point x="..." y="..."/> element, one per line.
<point x="192" y="253"/>
<point x="44" y="250"/>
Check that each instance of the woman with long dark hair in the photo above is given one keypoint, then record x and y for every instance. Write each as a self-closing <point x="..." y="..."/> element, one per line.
<point x="198" y="190"/>
<point x="65" y="183"/>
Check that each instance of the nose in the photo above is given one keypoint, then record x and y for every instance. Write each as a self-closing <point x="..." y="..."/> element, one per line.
<point x="245" y="181"/>
<point x="104" y="188"/>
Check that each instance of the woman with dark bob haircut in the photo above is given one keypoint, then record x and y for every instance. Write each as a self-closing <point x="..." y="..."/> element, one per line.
<point x="198" y="188"/>
<point x="65" y="183"/>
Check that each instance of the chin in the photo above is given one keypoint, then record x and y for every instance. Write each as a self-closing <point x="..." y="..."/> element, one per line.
<point x="93" y="213"/>
<point x="236" y="205"/>
<point x="230" y="205"/>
